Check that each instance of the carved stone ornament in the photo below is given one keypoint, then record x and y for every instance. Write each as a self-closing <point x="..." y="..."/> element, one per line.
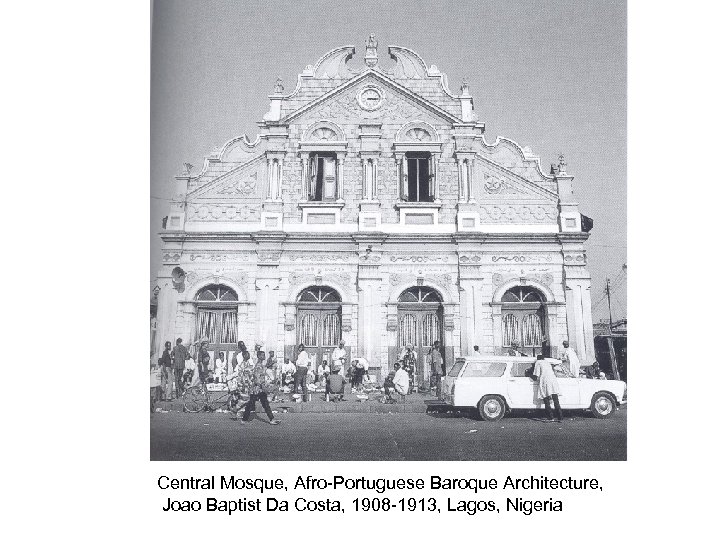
<point x="470" y="259"/>
<point x="520" y="258"/>
<point x="171" y="257"/>
<point x="219" y="257"/>
<point x="317" y="258"/>
<point x="347" y="107"/>
<point x="371" y="55"/>
<point x="346" y="322"/>
<point x="528" y="213"/>
<point x="493" y="184"/>
<point x="268" y="256"/>
<point x="222" y="212"/>
<point x="419" y="258"/>
<point x="392" y="322"/>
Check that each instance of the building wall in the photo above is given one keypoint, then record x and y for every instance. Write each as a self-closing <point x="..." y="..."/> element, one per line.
<point x="510" y="225"/>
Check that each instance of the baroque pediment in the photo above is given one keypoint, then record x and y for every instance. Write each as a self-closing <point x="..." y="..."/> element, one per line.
<point x="372" y="96"/>
<point x="496" y="183"/>
<point x="242" y="182"/>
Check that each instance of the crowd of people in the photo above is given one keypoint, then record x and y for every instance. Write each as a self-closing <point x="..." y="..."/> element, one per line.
<point x="260" y="375"/>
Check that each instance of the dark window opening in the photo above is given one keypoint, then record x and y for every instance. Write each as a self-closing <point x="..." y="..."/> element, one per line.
<point x="418" y="177"/>
<point x="323" y="177"/>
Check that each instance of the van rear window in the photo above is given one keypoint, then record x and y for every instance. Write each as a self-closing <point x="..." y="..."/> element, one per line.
<point x="457" y="366"/>
<point x="485" y="369"/>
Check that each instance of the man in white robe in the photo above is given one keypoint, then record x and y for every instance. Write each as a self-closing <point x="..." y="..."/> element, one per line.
<point x="548" y="387"/>
<point x="569" y="356"/>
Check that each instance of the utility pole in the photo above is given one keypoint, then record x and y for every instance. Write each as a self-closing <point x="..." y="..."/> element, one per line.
<point x="607" y="290"/>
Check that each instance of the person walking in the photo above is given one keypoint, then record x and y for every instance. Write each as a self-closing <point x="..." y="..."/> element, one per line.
<point x="548" y="387"/>
<point x="259" y="387"/>
<point x="166" y="372"/>
<point x="568" y="356"/>
<point x="301" y="365"/>
<point x="179" y="356"/>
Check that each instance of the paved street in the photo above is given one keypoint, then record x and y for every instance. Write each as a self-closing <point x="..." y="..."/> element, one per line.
<point x="412" y="436"/>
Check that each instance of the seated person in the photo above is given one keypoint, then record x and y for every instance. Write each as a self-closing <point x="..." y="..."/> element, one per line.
<point x="323" y="372"/>
<point x="287" y="372"/>
<point x="335" y="386"/>
<point x="399" y="383"/>
<point x="593" y="372"/>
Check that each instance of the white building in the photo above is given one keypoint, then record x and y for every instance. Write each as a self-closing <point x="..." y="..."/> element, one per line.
<point x="371" y="207"/>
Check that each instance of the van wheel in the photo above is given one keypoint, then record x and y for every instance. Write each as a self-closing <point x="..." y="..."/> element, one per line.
<point x="603" y="405"/>
<point x="492" y="408"/>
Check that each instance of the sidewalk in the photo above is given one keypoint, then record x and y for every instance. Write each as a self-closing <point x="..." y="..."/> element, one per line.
<point x="414" y="403"/>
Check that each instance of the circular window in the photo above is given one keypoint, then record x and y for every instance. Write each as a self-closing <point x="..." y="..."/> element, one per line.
<point x="370" y="98"/>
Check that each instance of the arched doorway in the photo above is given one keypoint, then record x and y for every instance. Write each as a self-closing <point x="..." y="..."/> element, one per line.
<point x="524" y="319"/>
<point x="420" y="320"/>
<point x="217" y="320"/>
<point x="319" y="323"/>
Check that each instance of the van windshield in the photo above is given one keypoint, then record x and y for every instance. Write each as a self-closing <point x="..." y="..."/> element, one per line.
<point x="457" y="366"/>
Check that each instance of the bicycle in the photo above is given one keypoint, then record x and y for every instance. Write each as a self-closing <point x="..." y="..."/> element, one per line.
<point x="200" y="398"/>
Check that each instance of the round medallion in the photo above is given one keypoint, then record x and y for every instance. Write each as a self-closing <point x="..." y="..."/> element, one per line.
<point x="370" y="98"/>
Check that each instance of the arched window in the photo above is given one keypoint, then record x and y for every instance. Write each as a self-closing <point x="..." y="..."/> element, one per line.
<point x="217" y="314"/>
<point x="319" y="312"/>
<point x="523" y="294"/>
<point x="523" y="319"/>
<point x="420" y="294"/>
<point x="319" y="294"/>
<point x="216" y="293"/>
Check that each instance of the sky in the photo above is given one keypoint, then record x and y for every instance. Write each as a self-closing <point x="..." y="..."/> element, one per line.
<point x="547" y="74"/>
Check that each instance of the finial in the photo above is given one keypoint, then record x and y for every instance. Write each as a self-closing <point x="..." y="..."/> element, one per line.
<point x="279" y="86"/>
<point x="464" y="87"/>
<point x="561" y="164"/>
<point x="188" y="167"/>
<point x="371" y="57"/>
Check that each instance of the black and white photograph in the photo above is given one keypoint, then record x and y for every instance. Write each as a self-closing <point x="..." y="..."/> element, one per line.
<point x="388" y="231"/>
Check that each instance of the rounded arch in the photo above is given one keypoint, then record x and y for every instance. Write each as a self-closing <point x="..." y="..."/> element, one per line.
<point x="319" y="294"/>
<point x="421" y="294"/>
<point x="447" y="294"/>
<point x="295" y="289"/>
<point x="527" y="283"/>
<point x="413" y="132"/>
<point x="198" y="284"/>
<point x="324" y="131"/>
<point x="216" y="293"/>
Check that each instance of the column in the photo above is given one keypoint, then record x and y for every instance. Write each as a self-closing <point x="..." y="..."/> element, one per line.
<point x="267" y="311"/>
<point x="373" y="178"/>
<point x="461" y="180"/>
<point x="586" y="302"/>
<point x="268" y="189"/>
<point x="470" y="314"/>
<point x="404" y="177"/>
<point x="364" y="179"/>
<point x="436" y="179"/>
<point x="471" y="179"/>
<point x="341" y="177"/>
<point x="278" y="180"/>
<point x="398" y="175"/>
<point x="304" y="177"/>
